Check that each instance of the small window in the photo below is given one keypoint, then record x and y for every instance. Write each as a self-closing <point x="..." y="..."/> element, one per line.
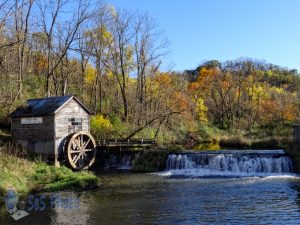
<point x="74" y="125"/>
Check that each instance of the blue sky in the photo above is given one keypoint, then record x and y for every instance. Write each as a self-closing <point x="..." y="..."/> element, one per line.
<point x="200" y="30"/>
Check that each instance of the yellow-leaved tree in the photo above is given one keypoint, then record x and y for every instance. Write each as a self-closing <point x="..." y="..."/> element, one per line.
<point x="101" y="127"/>
<point x="201" y="110"/>
<point x="90" y="74"/>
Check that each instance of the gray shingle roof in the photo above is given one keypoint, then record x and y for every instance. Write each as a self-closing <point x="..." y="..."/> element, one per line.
<point x="44" y="106"/>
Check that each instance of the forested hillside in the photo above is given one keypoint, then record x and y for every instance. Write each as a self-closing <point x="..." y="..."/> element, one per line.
<point x="246" y="94"/>
<point x="111" y="59"/>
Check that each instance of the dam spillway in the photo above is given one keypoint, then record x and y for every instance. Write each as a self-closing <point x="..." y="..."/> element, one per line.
<point x="230" y="163"/>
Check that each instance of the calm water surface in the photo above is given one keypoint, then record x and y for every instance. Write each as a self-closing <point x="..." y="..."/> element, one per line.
<point x="128" y="198"/>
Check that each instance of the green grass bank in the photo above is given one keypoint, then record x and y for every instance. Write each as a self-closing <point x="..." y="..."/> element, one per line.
<point x="32" y="175"/>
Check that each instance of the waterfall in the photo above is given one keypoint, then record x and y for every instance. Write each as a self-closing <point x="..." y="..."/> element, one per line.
<point x="235" y="163"/>
<point x="123" y="162"/>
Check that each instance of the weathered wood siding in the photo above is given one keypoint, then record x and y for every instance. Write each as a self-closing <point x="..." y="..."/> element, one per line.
<point x="41" y="131"/>
<point x="37" y="138"/>
<point x="49" y="136"/>
<point x="71" y="110"/>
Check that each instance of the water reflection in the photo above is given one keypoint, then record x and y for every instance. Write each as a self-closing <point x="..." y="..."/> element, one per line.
<point x="150" y="199"/>
<point x="296" y="187"/>
<point x="72" y="215"/>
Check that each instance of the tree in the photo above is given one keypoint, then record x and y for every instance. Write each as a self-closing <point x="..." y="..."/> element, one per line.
<point x="120" y="63"/>
<point x="21" y="13"/>
<point x="149" y="48"/>
<point x="98" y="41"/>
<point x="164" y="100"/>
<point x="60" y="36"/>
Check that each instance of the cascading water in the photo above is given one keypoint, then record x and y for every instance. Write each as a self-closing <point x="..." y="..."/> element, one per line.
<point x="121" y="162"/>
<point x="125" y="162"/>
<point x="230" y="163"/>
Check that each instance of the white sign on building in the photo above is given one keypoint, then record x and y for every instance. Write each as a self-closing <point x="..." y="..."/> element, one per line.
<point x="32" y="120"/>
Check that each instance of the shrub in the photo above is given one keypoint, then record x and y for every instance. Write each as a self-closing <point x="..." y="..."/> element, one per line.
<point x="101" y="127"/>
<point x="120" y="129"/>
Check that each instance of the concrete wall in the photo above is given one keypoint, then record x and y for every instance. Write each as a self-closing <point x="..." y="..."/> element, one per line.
<point x="297" y="134"/>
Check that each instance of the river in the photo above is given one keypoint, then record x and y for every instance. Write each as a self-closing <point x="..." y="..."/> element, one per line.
<point x="181" y="198"/>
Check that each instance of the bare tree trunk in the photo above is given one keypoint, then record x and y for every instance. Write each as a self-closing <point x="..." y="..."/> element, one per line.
<point x="67" y="34"/>
<point x="159" y="126"/>
<point x="21" y="14"/>
<point x="100" y="96"/>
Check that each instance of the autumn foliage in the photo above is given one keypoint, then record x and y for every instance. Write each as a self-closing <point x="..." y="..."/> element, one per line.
<point x="245" y="95"/>
<point x="112" y="59"/>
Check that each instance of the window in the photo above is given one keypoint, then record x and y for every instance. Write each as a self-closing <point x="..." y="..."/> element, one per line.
<point x="74" y="125"/>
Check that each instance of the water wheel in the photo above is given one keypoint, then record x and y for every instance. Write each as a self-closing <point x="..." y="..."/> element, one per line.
<point x="80" y="150"/>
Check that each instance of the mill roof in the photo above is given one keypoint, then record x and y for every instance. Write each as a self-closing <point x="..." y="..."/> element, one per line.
<point x="45" y="106"/>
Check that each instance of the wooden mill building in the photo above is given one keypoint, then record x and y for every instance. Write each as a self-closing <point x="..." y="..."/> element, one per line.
<point x="43" y="125"/>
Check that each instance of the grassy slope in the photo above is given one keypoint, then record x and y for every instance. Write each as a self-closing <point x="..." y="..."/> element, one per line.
<point x="25" y="176"/>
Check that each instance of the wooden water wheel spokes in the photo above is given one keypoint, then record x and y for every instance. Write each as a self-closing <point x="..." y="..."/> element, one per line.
<point x="80" y="151"/>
